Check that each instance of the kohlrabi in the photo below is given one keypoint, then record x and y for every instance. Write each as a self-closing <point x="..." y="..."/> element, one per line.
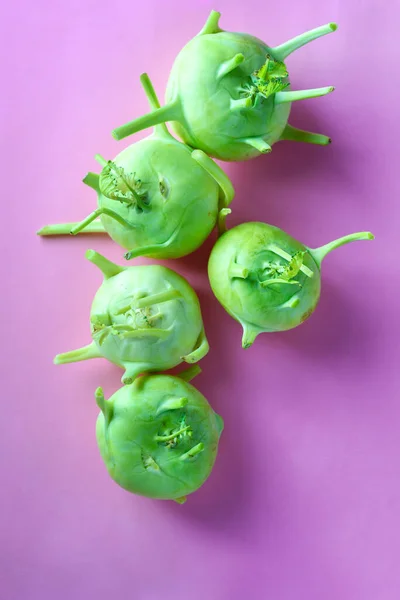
<point x="157" y="198"/>
<point x="159" y="436"/>
<point x="265" y="279"/>
<point x="229" y="94"/>
<point x="143" y="318"/>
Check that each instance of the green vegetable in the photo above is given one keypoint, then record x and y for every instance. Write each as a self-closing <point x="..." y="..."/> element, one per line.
<point x="159" y="436"/>
<point x="157" y="198"/>
<point x="143" y="318"/>
<point x="265" y="279"/>
<point x="229" y="94"/>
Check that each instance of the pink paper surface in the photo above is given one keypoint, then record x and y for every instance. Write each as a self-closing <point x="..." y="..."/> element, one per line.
<point x="304" y="499"/>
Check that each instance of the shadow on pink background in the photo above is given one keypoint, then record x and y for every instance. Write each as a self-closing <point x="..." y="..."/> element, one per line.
<point x="304" y="499"/>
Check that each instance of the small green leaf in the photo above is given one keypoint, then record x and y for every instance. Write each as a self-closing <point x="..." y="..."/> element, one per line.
<point x="293" y="267"/>
<point x="271" y="87"/>
<point x="277" y="70"/>
<point x="271" y="69"/>
<point x="270" y="79"/>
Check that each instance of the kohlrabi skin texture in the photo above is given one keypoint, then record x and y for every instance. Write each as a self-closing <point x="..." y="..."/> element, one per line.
<point x="229" y="94"/>
<point x="265" y="279"/>
<point x="157" y="198"/>
<point x="158" y="437"/>
<point x="143" y="318"/>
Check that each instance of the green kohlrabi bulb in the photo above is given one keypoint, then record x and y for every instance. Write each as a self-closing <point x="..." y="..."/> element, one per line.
<point x="265" y="279"/>
<point x="229" y="95"/>
<point x="143" y="318"/>
<point x="157" y="198"/>
<point x="159" y="436"/>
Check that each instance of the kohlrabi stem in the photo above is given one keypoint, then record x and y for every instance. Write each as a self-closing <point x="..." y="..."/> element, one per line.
<point x="147" y="250"/>
<point x="180" y="500"/>
<point x="95" y="214"/>
<point x="249" y="335"/>
<point x="275" y="280"/>
<point x="124" y="328"/>
<point x="167" y="438"/>
<point x="221" y="223"/>
<point x="105" y="407"/>
<point x="157" y="298"/>
<point x="258" y="142"/>
<point x="108" y="268"/>
<point x="193" y="451"/>
<point x="189" y="373"/>
<point x="83" y="224"/>
<point x="101" y="160"/>
<point x="99" y="396"/>
<point x="227" y="190"/>
<point x="237" y="271"/>
<point x="298" y="135"/>
<point x="169" y="112"/>
<point x="123" y="309"/>
<point x="152" y="99"/>
<point x="65" y="228"/>
<point x="281" y="52"/>
<point x="229" y="65"/>
<point x="241" y="103"/>
<point x="293" y="302"/>
<point x="319" y="254"/>
<point x="283" y="254"/>
<point x="281" y="97"/>
<point x="149" y="91"/>
<point x="200" y="351"/>
<point x="92" y="180"/>
<point x="147" y="332"/>
<point x="133" y="370"/>
<point x="155" y="317"/>
<point x="101" y="335"/>
<point x="101" y="319"/>
<point x="85" y="353"/>
<point x="211" y="25"/>
<point x="173" y="403"/>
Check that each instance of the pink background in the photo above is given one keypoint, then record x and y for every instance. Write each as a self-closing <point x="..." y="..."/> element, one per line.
<point x="304" y="499"/>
